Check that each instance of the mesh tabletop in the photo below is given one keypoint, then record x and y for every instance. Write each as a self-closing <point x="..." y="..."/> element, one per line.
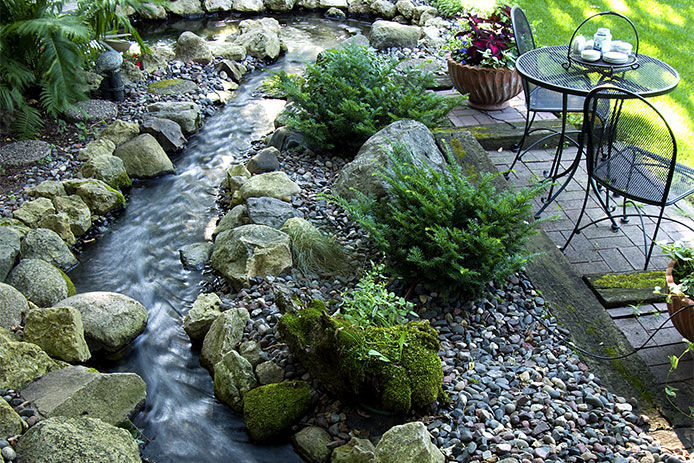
<point x="547" y="67"/>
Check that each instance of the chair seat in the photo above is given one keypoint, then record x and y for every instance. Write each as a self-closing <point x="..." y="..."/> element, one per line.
<point x="544" y="100"/>
<point x="641" y="175"/>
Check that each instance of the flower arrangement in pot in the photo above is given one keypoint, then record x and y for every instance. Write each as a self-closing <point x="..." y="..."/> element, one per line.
<point x="679" y="277"/>
<point x="481" y="59"/>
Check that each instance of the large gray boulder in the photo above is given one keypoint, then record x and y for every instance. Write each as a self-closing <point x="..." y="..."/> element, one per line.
<point x="206" y="309"/>
<point x="270" y="211"/>
<point x="191" y="47"/>
<point x="212" y="6"/>
<point x="109" y="168"/>
<point x="387" y="34"/>
<point x="185" y="114"/>
<point x="59" y="332"/>
<point x="167" y="132"/>
<point x="77" y="391"/>
<point x="77" y="212"/>
<point x="9" y="251"/>
<point x="40" y="282"/>
<point x="47" y="189"/>
<point x="266" y="160"/>
<point x="143" y="157"/>
<point x="45" y="244"/>
<point x="248" y="6"/>
<point x="233" y="377"/>
<point x="251" y="250"/>
<point x="280" y="5"/>
<point x="78" y="440"/>
<point x="227" y="50"/>
<point x="260" y="43"/>
<point x="312" y="444"/>
<point x="22" y="362"/>
<point x="408" y="443"/>
<point x="272" y="184"/>
<point x="355" y="451"/>
<point x="13" y="305"/>
<point x="374" y="154"/>
<point x="98" y="147"/>
<point x="184" y="7"/>
<point x="118" y="132"/>
<point x="31" y="212"/>
<point x="97" y="195"/>
<point x="224" y="335"/>
<point x="111" y="320"/>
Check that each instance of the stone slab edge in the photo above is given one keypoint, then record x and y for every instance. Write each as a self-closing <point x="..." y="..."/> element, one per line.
<point x="611" y="298"/>
<point x="507" y="134"/>
<point x="577" y="309"/>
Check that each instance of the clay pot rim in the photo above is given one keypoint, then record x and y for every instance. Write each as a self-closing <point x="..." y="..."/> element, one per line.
<point x="479" y="68"/>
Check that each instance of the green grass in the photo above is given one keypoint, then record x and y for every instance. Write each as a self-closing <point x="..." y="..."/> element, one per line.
<point x="665" y="32"/>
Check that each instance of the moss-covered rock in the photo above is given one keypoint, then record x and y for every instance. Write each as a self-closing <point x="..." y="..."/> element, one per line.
<point x="271" y="409"/>
<point x="395" y="368"/>
<point x="22" y="362"/>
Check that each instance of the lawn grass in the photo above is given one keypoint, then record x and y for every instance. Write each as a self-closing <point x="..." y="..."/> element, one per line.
<point x="666" y="31"/>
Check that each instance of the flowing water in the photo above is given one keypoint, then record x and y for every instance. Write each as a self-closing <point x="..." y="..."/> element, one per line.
<point x="138" y="256"/>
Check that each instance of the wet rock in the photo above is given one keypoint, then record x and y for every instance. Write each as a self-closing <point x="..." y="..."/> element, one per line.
<point x="110" y="169"/>
<point x="233" y="378"/>
<point x="270" y="410"/>
<point x="59" y="332"/>
<point x="260" y="43"/>
<point x="167" y="133"/>
<point x="270" y="211"/>
<point x="98" y="147"/>
<point x="77" y="212"/>
<point x="312" y="444"/>
<point x="22" y="362"/>
<point x="24" y="153"/>
<point x="232" y="69"/>
<point x="97" y="195"/>
<point x="47" y="189"/>
<point x="269" y="372"/>
<point x="31" y="212"/>
<point x="223" y="336"/>
<point x="409" y="442"/>
<point x="92" y="111"/>
<point x="118" y="132"/>
<point x="45" y="244"/>
<point x="236" y="217"/>
<point x="143" y="157"/>
<point x="191" y="47"/>
<point x="205" y="310"/>
<point x="40" y="282"/>
<point x="13" y="306"/>
<point x="195" y="256"/>
<point x="387" y="34"/>
<point x="9" y="251"/>
<point x="273" y="184"/>
<point x="185" y="114"/>
<point x="355" y="451"/>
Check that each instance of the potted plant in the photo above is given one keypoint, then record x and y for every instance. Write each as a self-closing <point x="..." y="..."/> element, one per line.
<point x="481" y="59"/>
<point x="679" y="277"/>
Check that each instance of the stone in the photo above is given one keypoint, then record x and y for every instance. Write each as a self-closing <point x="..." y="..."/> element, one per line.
<point x="228" y="51"/>
<point x="59" y="332"/>
<point x="158" y="57"/>
<point x="205" y="310"/>
<point x="387" y="34"/>
<point x="270" y="410"/>
<point x="308" y="4"/>
<point x="266" y="160"/>
<point x="97" y="195"/>
<point x="40" y="282"/>
<point x="143" y="157"/>
<point x="191" y="47"/>
<point x="405" y="8"/>
<point x="260" y="43"/>
<point x="272" y="184"/>
<point x="110" y="169"/>
<point x="185" y="114"/>
<point x="312" y="444"/>
<point x="111" y="320"/>
<point x="235" y="176"/>
<point x="92" y="81"/>
<point x="249" y="251"/>
<point x="269" y="372"/>
<point x="425" y="14"/>
<point x="77" y="391"/>
<point x="22" y="362"/>
<point x="9" y="252"/>
<point x="15" y="225"/>
<point x="325" y="4"/>
<point x="233" y="378"/>
<point x="223" y="336"/>
<point x="98" y="147"/>
<point x="108" y="61"/>
<point x="384" y="8"/>
<point x="173" y="87"/>
<point x="45" y="244"/>
<point x="408" y="443"/>
<point x="195" y="256"/>
<point x="355" y="451"/>
<point x="280" y="5"/>
<point x="270" y="211"/>
<point x="285" y="138"/>
<point x="23" y="153"/>
<point x="166" y="132"/>
<point x="47" y="189"/>
<point x="236" y="217"/>
<point x="59" y="223"/>
<point x="335" y="14"/>
<point x="248" y="6"/>
<point x="92" y="111"/>
<point x="79" y="440"/>
<point x="358" y="7"/>
<point x="360" y="174"/>
<point x="232" y="69"/>
<point x="250" y="350"/>
<point x="31" y="212"/>
<point x="77" y="212"/>
<point x="119" y="132"/>
<point x="13" y="306"/>
<point x="153" y="12"/>
<point x="212" y="6"/>
<point x="11" y="423"/>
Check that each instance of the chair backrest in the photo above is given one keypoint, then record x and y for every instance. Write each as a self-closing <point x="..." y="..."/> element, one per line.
<point x="524" y="41"/>
<point x="630" y="148"/>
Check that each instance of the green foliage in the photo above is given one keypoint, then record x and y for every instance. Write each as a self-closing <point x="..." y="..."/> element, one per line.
<point x="372" y="304"/>
<point x="670" y="391"/>
<point x="683" y="271"/>
<point x="450" y="8"/>
<point x="449" y="231"/>
<point x="312" y="250"/>
<point x="351" y="93"/>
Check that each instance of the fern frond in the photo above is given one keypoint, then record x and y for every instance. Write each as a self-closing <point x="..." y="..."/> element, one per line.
<point x="61" y="62"/>
<point x="26" y="121"/>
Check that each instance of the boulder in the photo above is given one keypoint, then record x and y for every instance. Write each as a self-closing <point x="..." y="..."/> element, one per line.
<point x="11" y="423"/>
<point x="361" y="173"/>
<point x="335" y="14"/>
<point x="384" y="8"/>
<point x="248" y="6"/>
<point x="387" y="34"/>
<point x="119" y="132"/>
<point x="285" y="138"/>
<point x="92" y="111"/>
<point x="260" y="43"/>
<point x="47" y="189"/>
<point x="432" y="39"/>
<point x="77" y="212"/>
<point x="185" y="114"/>
<point x="405" y="8"/>
<point x="153" y="12"/>
<point x="9" y="251"/>
<point x="272" y="184"/>
<point x="77" y="391"/>
<point x="358" y="7"/>
<point x="31" y="212"/>
<point x="233" y="378"/>
<point x="110" y="169"/>
<point x="232" y="69"/>
<point x="78" y="440"/>
<point x="173" y="87"/>
<point x="97" y="195"/>
<point x="45" y="244"/>
<point x="98" y="147"/>
<point x="270" y="211"/>
<point x="355" y="451"/>
<point x="251" y="250"/>
<point x="223" y="336"/>
<point x="266" y="160"/>
<point x="143" y="157"/>
<point x="158" y="57"/>
<point x="250" y="350"/>
<point x="269" y="24"/>
<point x="236" y="217"/>
<point x="185" y="7"/>
<point x="111" y="320"/>
<point x="191" y="47"/>
<point x="408" y="443"/>
<point x="22" y="362"/>
<point x="59" y="223"/>
<point x="40" y="282"/>
<point x="212" y="6"/>
<point x="235" y="176"/>
<point x="269" y="372"/>
<point x="227" y="50"/>
<point x="325" y="4"/>
<point x="270" y="410"/>
<point x="15" y="225"/>
<point x="206" y="309"/>
<point x="59" y="332"/>
<point x="426" y="13"/>
<point x="167" y="133"/>
<point x="312" y="444"/>
<point x="280" y="5"/>
<point x="13" y="306"/>
<point x="195" y="256"/>
<point x="308" y="4"/>
<point x="23" y="153"/>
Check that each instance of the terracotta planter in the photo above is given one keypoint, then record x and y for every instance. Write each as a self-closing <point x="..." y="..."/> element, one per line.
<point x="684" y="321"/>
<point x="489" y="88"/>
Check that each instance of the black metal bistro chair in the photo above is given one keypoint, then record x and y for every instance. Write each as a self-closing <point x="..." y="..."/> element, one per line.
<point x="538" y="99"/>
<point x="631" y="152"/>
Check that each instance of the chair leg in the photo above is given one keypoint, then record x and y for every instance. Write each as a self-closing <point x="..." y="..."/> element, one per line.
<point x="577" y="228"/>
<point x="655" y="235"/>
<point x="519" y="153"/>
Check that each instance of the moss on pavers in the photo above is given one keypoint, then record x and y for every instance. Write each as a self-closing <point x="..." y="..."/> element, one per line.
<point x="625" y="289"/>
<point x="506" y="134"/>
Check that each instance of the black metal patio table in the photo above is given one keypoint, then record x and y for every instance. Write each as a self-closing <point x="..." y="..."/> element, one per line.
<point x="549" y="67"/>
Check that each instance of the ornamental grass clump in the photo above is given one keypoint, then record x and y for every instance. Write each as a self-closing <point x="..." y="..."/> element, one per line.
<point x="451" y="232"/>
<point x="352" y="93"/>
